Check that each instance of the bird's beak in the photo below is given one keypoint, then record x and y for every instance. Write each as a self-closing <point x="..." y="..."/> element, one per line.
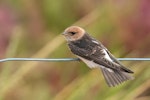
<point x="63" y="33"/>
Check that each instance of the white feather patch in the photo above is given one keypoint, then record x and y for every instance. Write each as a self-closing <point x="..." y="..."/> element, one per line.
<point x="92" y="64"/>
<point x="95" y="41"/>
<point x="89" y="63"/>
<point x="106" y="55"/>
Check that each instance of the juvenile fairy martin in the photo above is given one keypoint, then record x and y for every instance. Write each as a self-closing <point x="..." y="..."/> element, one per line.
<point x="95" y="55"/>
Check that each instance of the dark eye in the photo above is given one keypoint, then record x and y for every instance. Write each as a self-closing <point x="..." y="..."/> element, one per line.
<point x="72" y="33"/>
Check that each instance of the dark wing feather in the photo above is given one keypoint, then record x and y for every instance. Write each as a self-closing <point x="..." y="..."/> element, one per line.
<point x="116" y="61"/>
<point x="95" y="54"/>
<point x="85" y="53"/>
<point x="93" y="51"/>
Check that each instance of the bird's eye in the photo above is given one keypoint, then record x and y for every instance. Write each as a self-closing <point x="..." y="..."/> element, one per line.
<point x="72" y="33"/>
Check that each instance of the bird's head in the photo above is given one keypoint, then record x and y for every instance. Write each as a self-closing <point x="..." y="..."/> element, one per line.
<point x="73" y="33"/>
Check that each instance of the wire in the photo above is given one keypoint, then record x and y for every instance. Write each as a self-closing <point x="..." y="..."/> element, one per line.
<point x="65" y="59"/>
<point x="40" y="59"/>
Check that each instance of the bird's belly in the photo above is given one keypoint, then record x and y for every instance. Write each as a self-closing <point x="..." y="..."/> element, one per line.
<point x="92" y="64"/>
<point x="89" y="63"/>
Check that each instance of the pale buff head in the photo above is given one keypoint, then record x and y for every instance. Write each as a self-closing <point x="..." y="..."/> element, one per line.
<point x="73" y="33"/>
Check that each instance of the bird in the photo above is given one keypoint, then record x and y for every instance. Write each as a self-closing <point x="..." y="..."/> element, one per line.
<point x="95" y="55"/>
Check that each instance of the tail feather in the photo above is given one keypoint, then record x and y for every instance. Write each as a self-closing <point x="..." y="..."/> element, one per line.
<point x="115" y="77"/>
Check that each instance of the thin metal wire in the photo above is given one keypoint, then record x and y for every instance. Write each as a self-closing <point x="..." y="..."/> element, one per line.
<point x="65" y="59"/>
<point x="40" y="59"/>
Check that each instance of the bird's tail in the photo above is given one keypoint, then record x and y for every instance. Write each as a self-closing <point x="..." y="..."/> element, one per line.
<point x="115" y="77"/>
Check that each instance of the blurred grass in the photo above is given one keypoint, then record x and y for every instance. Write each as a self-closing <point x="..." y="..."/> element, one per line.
<point x="38" y="36"/>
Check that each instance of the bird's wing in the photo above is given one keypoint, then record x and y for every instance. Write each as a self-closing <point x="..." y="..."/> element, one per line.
<point x="105" y="60"/>
<point x="98" y="54"/>
<point x="95" y="54"/>
<point x="118" y="62"/>
<point x="113" y="58"/>
<point x="108" y="58"/>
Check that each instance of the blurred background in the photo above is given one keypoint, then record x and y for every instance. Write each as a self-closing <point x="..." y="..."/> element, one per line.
<point x="32" y="28"/>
